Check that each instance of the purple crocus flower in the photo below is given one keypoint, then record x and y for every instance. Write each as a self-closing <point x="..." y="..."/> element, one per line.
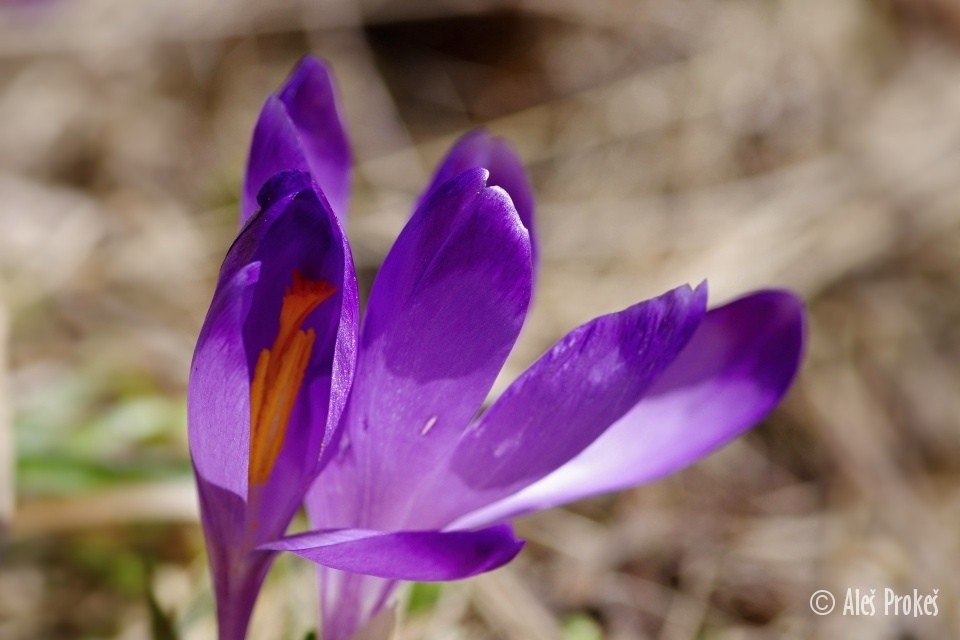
<point x="408" y="479"/>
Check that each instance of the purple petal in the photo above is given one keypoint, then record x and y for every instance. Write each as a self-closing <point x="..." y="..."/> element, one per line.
<point x="218" y="402"/>
<point x="218" y="410"/>
<point x="406" y="555"/>
<point x="300" y="129"/>
<point x="444" y="312"/>
<point x="294" y="236"/>
<point x="275" y="148"/>
<point x="311" y="100"/>
<point x="294" y="239"/>
<point x="479" y="149"/>
<point x="564" y="401"/>
<point x="735" y="369"/>
<point x="304" y="239"/>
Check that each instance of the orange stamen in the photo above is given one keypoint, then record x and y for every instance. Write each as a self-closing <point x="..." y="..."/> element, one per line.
<point x="278" y="375"/>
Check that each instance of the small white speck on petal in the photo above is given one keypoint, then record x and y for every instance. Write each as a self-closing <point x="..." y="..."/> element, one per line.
<point x="428" y="425"/>
<point x="507" y="446"/>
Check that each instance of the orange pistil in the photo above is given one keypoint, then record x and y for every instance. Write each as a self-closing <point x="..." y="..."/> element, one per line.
<point x="279" y="374"/>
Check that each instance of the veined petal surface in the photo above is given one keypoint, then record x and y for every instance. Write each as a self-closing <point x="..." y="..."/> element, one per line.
<point x="564" y="402"/>
<point x="218" y="406"/>
<point x="735" y="369"/>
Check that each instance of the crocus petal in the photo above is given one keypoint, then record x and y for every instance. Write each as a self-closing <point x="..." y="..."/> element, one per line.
<point x="480" y="149"/>
<point x="406" y="555"/>
<point x="269" y="381"/>
<point x="565" y="400"/>
<point x="311" y="100"/>
<point x="309" y="239"/>
<point x="218" y="404"/>
<point x="300" y="129"/>
<point x="444" y="312"/>
<point x="734" y="370"/>
<point x="294" y="237"/>
<point x="275" y="147"/>
<point x="304" y="241"/>
<point x="218" y="410"/>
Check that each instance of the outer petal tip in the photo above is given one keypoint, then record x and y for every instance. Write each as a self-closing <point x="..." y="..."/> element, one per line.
<point x="300" y="128"/>
<point x="309" y="65"/>
<point x="311" y="101"/>
<point x="478" y="148"/>
<point x="769" y="328"/>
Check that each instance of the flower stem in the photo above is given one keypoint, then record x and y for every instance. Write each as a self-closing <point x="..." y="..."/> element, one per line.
<point x="237" y="590"/>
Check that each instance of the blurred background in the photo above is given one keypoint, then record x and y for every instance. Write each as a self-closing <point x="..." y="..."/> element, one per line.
<point x="813" y="144"/>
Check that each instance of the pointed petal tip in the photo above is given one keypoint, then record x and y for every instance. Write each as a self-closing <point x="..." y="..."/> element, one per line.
<point x="789" y="302"/>
<point x="479" y="148"/>
<point x="786" y="313"/>
<point x="699" y="293"/>
<point x="686" y="293"/>
<point x="692" y="299"/>
<point x="479" y="175"/>
<point x="311" y="64"/>
<point x="483" y="142"/>
<point x="312" y="75"/>
<point x="783" y="313"/>
<point x="500" y="196"/>
<point x="300" y="127"/>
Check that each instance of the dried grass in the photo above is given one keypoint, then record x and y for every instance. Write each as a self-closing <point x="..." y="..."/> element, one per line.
<point x="807" y="143"/>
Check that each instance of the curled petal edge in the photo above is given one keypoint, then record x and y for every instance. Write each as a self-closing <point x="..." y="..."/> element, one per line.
<point x="423" y="556"/>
